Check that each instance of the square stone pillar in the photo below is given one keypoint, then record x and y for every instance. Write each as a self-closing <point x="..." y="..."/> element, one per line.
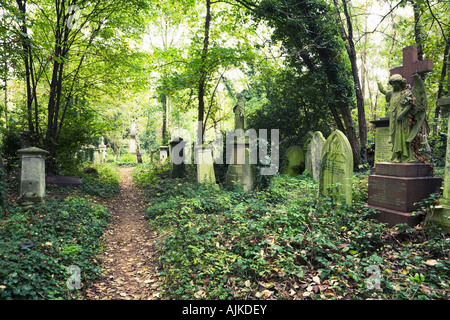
<point x="32" y="176"/>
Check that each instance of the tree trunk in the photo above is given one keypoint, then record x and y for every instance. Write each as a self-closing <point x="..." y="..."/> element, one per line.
<point x="347" y="36"/>
<point x="202" y="79"/>
<point x="445" y="65"/>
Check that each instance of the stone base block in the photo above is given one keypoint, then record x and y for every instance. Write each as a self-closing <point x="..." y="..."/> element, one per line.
<point x="394" y="217"/>
<point x="400" y="193"/>
<point x="441" y="215"/>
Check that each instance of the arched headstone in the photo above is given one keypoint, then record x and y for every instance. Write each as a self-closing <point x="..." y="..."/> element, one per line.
<point x="337" y="166"/>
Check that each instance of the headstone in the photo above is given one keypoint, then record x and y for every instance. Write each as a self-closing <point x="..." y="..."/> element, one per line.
<point x="441" y="215"/>
<point x="205" y="165"/>
<point x="32" y="176"/>
<point x="294" y="161"/>
<point x="177" y="146"/>
<point x="315" y="153"/>
<point x="383" y="148"/>
<point x="337" y="166"/>
<point x="102" y="149"/>
<point x="411" y="65"/>
<point x="240" y="170"/>
<point x="64" y="181"/>
<point x="307" y="152"/>
<point x="163" y="153"/>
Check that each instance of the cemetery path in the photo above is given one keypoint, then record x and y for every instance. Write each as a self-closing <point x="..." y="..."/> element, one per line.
<point x="128" y="262"/>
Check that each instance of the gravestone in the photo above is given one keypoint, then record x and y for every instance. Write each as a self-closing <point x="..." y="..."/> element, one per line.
<point x="441" y="215"/>
<point x="336" y="166"/>
<point x="163" y="153"/>
<point x="307" y="152"/>
<point x="316" y="146"/>
<point x="64" y="181"/>
<point x="240" y="170"/>
<point x="383" y="148"/>
<point x="102" y="150"/>
<point x="205" y="165"/>
<point x="294" y="161"/>
<point x="177" y="146"/>
<point x="32" y="176"/>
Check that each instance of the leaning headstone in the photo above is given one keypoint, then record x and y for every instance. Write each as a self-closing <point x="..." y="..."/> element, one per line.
<point x="32" y="176"/>
<point x="315" y="153"/>
<point x="205" y="165"/>
<point x="294" y="161"/>
<point x="336" y="167"/>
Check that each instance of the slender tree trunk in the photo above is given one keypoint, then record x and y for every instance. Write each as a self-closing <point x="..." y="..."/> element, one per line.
<point x="445" y="66"/>
<point x="202" y="79"/>
<point x="347" y="36"/>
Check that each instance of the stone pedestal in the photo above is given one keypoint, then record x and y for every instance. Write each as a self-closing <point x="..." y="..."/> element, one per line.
<point x="395" y="188"/>
<point x="163" y="153"/>
<point x="32" y="176"/>
<point x="205" y="165"/>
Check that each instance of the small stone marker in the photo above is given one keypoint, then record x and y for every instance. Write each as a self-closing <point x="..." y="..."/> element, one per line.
<point x="294" y="161"/>
<point x="205" y="165"/>
<point x="102" y="149"/>
<point x="412" y="65"/>
<point x="337" y="166"/>
<point x="316" y="146"/>
<point x="163" y="153"/>
<point x="32" y="176"/>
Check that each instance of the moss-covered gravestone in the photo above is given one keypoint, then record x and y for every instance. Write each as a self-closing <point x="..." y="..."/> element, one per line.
<point x="315" y="153"/>
<point x="205" y="165"/>
<point x="336" y="167"/>
<point x="294" y="161"/>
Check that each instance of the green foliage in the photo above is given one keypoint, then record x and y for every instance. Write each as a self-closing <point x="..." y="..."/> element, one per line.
<point x="106" y="184"/>
<point x="9" y="145"/>
<point x="221" y="244"/>
<point x="64" y="233"/>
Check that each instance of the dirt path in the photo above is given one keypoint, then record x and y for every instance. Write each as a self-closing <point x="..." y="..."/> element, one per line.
<point x="128" y="266"/>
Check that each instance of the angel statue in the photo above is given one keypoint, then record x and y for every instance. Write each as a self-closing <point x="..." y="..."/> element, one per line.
<point x="407" y="109"/>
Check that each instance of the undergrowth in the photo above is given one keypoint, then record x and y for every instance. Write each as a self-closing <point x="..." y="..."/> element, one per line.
<point x="285" y="242"/>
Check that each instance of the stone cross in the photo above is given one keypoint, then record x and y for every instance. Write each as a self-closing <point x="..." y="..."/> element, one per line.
<point x="412" y="65"/>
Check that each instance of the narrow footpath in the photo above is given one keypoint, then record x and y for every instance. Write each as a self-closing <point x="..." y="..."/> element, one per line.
<point x="128" y="261"/>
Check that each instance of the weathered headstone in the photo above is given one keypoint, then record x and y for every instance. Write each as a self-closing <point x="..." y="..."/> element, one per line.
<point x="240" y="169"/>
<point x="102" y="149"/>
<point x="441" y="215"/>
<point x="315" y="153"/>
<point x="163" y="153"/>
<point x="32" y="176"/>
<point x="177" y="146"/>
<point x="294" y="161"/>
<point x="306" y="144"/>
<point x="383" y="148"/>
<point x="205" y="165"/>
<point x="337" y="166"/>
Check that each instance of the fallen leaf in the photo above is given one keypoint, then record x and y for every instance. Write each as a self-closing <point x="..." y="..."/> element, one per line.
<point x="431" y="262"/>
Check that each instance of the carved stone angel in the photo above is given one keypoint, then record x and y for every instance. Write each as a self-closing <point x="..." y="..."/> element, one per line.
<point x="407" y="113"/>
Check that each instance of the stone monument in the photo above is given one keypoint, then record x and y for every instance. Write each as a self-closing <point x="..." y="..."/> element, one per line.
<point x="396" y="186"/>
<point x="177" y="146"/>
<point x="163" y="153"/>
<point x="294" y="161"/>
<point x="337" y="166"/>
<point x="32" y="176"/>
<point x="240" y="170"/>
<point x="316" y="146"/>
<point x="205" y="165"/>
<point x="441" y="215"/>
<point x="102" y="150"/>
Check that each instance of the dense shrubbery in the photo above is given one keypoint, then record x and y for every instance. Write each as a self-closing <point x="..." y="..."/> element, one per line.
<point x="105" y="184"/>
<point x="64" y="233"/>
<point x="287" y="243"/>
